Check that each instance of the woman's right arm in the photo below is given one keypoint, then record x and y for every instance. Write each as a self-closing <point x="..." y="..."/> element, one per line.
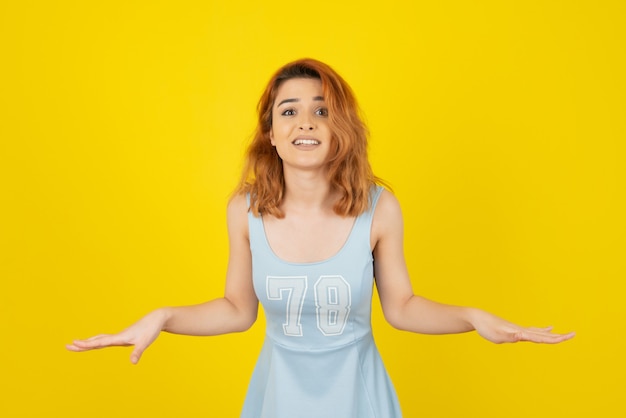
<point x="234" y="312"/>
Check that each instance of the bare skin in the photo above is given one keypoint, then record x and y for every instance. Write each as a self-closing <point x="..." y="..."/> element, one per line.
<point x="301" y="135"/>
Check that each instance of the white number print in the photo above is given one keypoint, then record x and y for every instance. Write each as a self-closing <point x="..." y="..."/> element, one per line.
<point x="332" y="301"/>
<point x="332" y="298"/>
<point x="295" y="287"/>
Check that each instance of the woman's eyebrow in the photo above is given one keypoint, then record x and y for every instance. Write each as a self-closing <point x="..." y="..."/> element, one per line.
<point x="316" y="99"/>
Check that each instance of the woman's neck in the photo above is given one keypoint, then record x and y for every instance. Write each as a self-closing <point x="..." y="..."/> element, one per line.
<point x="307" y="191"/>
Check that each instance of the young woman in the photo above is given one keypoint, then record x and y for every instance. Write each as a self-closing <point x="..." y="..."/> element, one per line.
<point x="310" y="227"/>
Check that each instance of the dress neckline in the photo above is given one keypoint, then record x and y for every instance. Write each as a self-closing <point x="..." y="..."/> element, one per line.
<point x="310" y="263"/>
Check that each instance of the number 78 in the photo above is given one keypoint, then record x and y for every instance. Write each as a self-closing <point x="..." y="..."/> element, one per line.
<point x="332" y="301"/>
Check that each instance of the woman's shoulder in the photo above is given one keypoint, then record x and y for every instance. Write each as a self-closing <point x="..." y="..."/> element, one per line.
<point x="238" y="201"/>
<point x="387" y="205"/>
<point x="387" y="216"/>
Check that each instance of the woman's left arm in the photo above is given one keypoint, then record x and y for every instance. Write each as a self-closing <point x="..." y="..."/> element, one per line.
<point x="406" y="311"/>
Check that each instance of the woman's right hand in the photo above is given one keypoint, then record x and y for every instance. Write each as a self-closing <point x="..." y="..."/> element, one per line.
<point x="140" y="335"/>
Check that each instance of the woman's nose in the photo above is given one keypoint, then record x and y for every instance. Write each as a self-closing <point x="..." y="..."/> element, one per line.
<point x="306" y="124"/>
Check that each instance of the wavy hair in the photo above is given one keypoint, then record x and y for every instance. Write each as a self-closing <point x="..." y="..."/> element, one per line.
<point x="349" y="170"/>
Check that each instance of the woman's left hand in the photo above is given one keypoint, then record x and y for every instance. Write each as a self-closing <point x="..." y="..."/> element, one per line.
<point x="498" y="331"/>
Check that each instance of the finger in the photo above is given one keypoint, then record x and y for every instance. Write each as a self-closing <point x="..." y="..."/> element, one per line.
<point x="545" y="338"/>
<point x="101" y="341"/>
<point x="78" y="347"/>
<point x="135" y="357"/>
<point x="548" y="329"/>
<point x="564" y="337"/>
<point x="136" y="354"/>
<point x="95" y="337"/>
<point x="72" y="347"/>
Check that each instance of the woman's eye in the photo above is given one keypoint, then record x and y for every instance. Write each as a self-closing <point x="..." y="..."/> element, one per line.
<point x="289" y="112"/>
<point x="322" y="111"/>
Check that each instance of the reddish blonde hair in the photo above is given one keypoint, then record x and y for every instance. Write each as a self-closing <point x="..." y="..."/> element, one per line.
<point x="349" y="170"/>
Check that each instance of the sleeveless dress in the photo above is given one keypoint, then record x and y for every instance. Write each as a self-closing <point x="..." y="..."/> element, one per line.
<point x="319" y="359"/>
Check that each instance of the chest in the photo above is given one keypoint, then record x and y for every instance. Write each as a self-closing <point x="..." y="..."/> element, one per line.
<point x="306" y="239"/>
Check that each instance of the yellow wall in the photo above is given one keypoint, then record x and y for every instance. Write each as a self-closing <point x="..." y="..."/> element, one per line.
<point x="500" y="125"/>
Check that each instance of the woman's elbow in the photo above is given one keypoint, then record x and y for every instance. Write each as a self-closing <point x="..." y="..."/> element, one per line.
<point x="246" y="321"/>
<point x="395" y="318"/>
<point x="397" y="311"/>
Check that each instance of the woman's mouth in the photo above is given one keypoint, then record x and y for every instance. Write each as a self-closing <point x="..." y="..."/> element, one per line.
<point x="302" y="141"/>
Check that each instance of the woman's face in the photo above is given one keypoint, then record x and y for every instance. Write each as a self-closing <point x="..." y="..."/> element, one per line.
<point x="300" y="128"/>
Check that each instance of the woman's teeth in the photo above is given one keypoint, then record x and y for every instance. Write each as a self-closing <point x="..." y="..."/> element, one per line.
<point x="306" y="142"/>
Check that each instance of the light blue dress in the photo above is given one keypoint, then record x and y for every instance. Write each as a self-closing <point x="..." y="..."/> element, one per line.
<point x="319" y="359"/>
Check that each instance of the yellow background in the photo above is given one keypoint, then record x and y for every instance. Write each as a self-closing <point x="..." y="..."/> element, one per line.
<point x="500" y="125"/>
